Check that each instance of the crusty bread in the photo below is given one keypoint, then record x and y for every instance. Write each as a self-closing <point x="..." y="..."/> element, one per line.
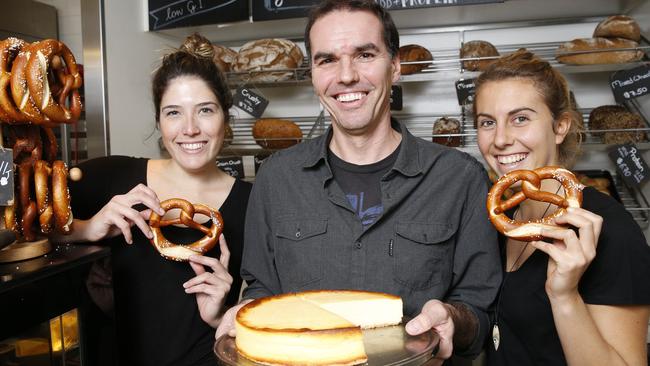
<point x="269" y="133"/>
<point x="474" y="49"/>
<point x="601" y="56"/>
<point x="263" y="55"/>
<point x="609" y="117"/>
<point x="619" y="26"/>
<point x="413" y="52"/>
<point x="224" y="57"/>
<point x="446" y="125"/>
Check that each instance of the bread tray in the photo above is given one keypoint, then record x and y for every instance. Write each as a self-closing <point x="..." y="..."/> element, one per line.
<point x="386" y="346"/>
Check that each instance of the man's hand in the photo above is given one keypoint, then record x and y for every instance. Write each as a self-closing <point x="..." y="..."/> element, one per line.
<point x="435" y="316"/>
<point x="227" y="324"/>
<point x="455" y="323"/>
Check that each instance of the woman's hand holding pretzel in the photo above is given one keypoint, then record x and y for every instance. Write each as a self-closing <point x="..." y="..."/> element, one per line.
<point x="210" y="287"/>
<point x="118" y="215"/>
<point x="570" y="253"/>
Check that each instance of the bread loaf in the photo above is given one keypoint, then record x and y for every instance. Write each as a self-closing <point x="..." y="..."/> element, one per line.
<point x="474" y="49"/>
<point x="619" y="26"/>
<point x="224" y="57"/>
<point x="259" y="57"/>
<point x="609" y="117"/>
<point x="601" y="55"/>
<point x="271" y="133"/>
<point x="446" y="125"/>
<point x="413" y="52"/>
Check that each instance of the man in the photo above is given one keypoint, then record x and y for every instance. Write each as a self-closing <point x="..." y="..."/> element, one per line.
<point x="368" y="205"/>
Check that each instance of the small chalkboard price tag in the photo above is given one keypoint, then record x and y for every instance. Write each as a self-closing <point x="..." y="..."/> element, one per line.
<point x="250" y="102"/>
<point x="465" y="91"/>
<point x="630" y="164"/>
<point x="630" y="84"/>
<point x="6" y="177"/>
<point x="232" y="165"/>
<point x="258" y="160"/>
<point x="396" y="98"/>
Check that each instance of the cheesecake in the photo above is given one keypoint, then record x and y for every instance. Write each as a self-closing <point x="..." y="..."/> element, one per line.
<point x="313" y="327"/>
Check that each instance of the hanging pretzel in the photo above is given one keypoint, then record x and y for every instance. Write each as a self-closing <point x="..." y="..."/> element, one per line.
<point x="61" y="197"/>
<point x="42" y="173"/>
<point x="19" y="90"/>
<point x="180" y="253"/>
<point x="25" y="140"/>
<point x="45" y="54"/>
<point x="9" y="49"/>
<point x="27" y="205"/>
<point x="530" y="188"/>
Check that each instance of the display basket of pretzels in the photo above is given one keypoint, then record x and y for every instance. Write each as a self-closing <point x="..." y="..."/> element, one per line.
<point x="531" y="189"/>
<point x="39" y="90"/>
<point x="182" y="252"/>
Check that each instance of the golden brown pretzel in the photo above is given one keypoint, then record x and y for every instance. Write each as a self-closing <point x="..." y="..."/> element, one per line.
<point x="19" y="90"/>
<point x="176" y="252"/>
<point x="530" y="188"/>
<point x="26" y="143"/>
<point x="42" y="173"/>
<point x="9" y="49"/>
<point x="61" y="197"/>
<point x="45" y="54"/>
<point x="27" y="205"/>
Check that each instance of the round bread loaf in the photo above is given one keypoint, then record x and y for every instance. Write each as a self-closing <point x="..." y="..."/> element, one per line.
<point x="446" y="125"/>
<point x="473" y="49"/>
<point x="619" y="26"/>
<point x="259" y="57"/>
<point x="599" y="44"/>
<point x="272" y="133"/>
<point x="224" y="57"/>
<point x="608" y="117"/>
<point x="413" y="52"/>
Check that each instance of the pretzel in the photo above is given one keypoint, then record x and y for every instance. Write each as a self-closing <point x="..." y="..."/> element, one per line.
<point x="19" y="90"/>
<point x="42" y="172"/>
<point x="26" y="143"/>
<point x="530" y="188"/>
<point x="9" y="49"/>
<point x="27" y="206"/>
<point x="61" y="197"/>
<point x="43" y="55"/>
<point x="181" y="253"/>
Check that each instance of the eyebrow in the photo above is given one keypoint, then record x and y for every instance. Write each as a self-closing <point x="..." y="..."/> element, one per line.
<point x="198" y="105"/>
<point x="514" y="111"/>
<point x="363" y="48"/>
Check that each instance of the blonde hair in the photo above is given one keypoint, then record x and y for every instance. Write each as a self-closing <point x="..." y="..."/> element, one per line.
<point x="554" y="89"/>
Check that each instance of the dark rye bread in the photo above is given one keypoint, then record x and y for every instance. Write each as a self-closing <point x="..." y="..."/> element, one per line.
<point x="446" y="125"/>
<point x="609" y="117"/>
<point x="413" y="52"/>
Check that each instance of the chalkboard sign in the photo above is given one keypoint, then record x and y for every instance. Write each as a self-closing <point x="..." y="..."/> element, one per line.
<point x="165" y="14"/>
<point x="465" y="91"/>
<point x="396" y="98"/>
<point x="258" y="160"/>
<point x="6" y="177"/>
<point x="233" y="166"/>
<point x="250" y="102"/>
<point x="282" y="9"/>
<point x="630" y="164"/>
<point x="629" y="84"/>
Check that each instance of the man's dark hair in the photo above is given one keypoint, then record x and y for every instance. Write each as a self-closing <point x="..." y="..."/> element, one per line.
<point x="391" y="37"/>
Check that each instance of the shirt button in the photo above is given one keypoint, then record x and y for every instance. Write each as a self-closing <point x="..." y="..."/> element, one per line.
<point x="298" y="234"/>
<point x="357" y="245"/>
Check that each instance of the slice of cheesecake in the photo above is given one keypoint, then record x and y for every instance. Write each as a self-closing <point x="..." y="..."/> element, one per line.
<point x="314" y="327"/>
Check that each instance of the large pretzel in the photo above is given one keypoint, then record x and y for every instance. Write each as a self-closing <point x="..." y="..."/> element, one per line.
<point x="530" y="188"/>
<point x="19" y="90"/>
<point x="61" y="197"/>
<point x="9" y="49"/>
<point x="42" y="173"/>
<point x="181" y="253"/>
<point x="45" y="54"/>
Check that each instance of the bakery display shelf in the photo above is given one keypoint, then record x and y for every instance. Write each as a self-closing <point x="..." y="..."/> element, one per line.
<point x="634" y="201"/>
<point x="447" y="64"/>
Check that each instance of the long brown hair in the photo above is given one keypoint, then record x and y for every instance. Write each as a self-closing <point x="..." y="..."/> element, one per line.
<point x="550" y="84"/>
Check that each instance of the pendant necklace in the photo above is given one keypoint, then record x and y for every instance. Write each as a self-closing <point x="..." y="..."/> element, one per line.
<point x="496" y="335"/>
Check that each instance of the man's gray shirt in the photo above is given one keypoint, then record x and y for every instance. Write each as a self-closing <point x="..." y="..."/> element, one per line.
<point x="432" y="241"/>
